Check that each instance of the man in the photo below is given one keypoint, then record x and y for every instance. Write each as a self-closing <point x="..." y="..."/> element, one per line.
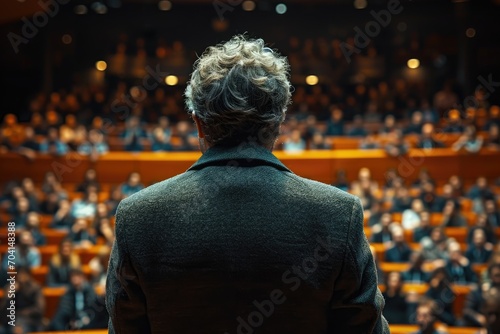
<point x="478" y="252"/>
<point x="400" y="251"/>
<point x="78" y="307"/>
<point x="475" y="299"/>
<point x="238" y="243"/>
<point x="458" y="266"/>
<point x="426" y="317"/>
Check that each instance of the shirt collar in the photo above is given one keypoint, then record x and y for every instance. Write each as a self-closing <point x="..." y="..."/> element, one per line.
<point x="243" y="155"/>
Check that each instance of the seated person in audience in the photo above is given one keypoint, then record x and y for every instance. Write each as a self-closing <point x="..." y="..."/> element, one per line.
<point x="114" y="199"/>
<point x="428" y="196"/>
<point x="400" y="251"/>
<point x="53" y="145"/>
<point x="470" y="141"/>
<point x="454" y="122"/>
<point x="99" y="267"/>
<point x="49" y="180"/>
<point x="133" y="135"/>
<point x="364" y="175"/>
<point x="26" y="253"/>
<point x="479" y="251"/>
<point x="82" y="234"/>
<point x="358" y="127"/>
<point x="472" y="306"/>
<point x="401" y="201"/>
<point x="380" y="273"/>
<point x="447" y="195"/>
<point x="132" y="185"/>
<point x="426" y="317"/>
<point x="103" y="229"/>
<point x="294" y="143"/>
<point x="94" y="146"/>
<point x="423" y="177"/>
<point x="62" y="263"/>
<point x="319" y="142"/>
<point x="458" y="267"/>
<point x="85" y="207"/>
<point x="30" y="146"/>
<point x="375" y="213"/>
<point x="411" y="217"/>
<point x="5" y="144"/>
<point x="492" y="141"/>
<point x="416" y="124"/>
<point x="381" y="232"/>
<point x="89" y="179"/>
<point x="366" y="195"/>
<point x="392" y="179"/>
<point x="369" y="142"/>
<point x="29" y="304"/>
<point x="62" y="218"/>
<point x="31" y="193"/>
<point x="335" y="125"/>
<point x="160" y="141"/>
<point x="76" y="309"/>
<point x="20" y="215"/>
<point x="483" y="224"/>
<point x="424" y="227"/>
<point x="395" y="309"/>
<point x="452" y="216"/>
<point x="341" y="180"/>
<point x="458" y="186"/>
<point x="397" y="145"/>
<point x="490" y="308"/>
<point x="33" y="226"/>
<point x="480" y="189"/>
<point x="441" y="292"/>
<point x="492" y="212"/>
<point x="416" y="273"/>
<point x="427" y="140"/>
<point x="435" y="247"/>
<point x="12" y="193"/>
<point x="188" y="139"/>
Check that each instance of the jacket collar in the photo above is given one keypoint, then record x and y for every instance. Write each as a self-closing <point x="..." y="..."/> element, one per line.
<point x="243" y="155"/>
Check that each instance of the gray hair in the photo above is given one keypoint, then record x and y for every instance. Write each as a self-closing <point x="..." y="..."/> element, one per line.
<point x="239" y="90"/>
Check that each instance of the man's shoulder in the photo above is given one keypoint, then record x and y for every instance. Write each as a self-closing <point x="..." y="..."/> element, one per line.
<point x="167" y="186"/>
<point x="321" y="189"/>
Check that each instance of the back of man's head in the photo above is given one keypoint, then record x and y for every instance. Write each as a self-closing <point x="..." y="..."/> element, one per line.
<point x="239" y="92"/>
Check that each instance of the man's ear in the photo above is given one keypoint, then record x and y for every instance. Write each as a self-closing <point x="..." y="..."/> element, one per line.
<point x="198" y="126"/>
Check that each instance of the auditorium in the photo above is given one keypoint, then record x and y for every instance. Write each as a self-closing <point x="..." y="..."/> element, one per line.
<point x="250" y="166"/>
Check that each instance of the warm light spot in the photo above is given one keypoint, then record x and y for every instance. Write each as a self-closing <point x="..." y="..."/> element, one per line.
<point x="101" y="65"/>
<point x="248" y="5"/>
<point x="413" y="63"/>
<point x="312" y="80"/>
<point x="171" y="80"/>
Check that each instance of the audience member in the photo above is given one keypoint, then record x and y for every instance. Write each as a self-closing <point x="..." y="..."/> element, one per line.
<point x="29" y="304"/>
<point x="395" y="309"/>
<point x="427" y="140"/>
<point x="132" y="185"/>
<point x="89" y="180"/>
<point x="458" y="267"/>
<point x="75" y="309"/>
<point x="62" y="263"/>
<point x="473" y="317"/>
<point x="400" y="251"/>
<point x="416" y="273"/>
<point x="441" y="292"/>
<point x="63" y="219"/>
<point x="427" y="310"/>
<point x="478" y="252"/>
<point x="424" y="228"/>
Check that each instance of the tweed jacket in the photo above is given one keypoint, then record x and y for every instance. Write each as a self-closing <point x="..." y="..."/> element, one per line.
<point x="240" y="244"/>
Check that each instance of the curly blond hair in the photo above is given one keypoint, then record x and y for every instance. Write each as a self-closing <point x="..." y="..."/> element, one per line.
<point x="240" y="90"/>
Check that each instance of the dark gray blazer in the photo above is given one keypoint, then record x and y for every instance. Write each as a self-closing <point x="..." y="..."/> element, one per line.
<point x="240" y="244"/>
